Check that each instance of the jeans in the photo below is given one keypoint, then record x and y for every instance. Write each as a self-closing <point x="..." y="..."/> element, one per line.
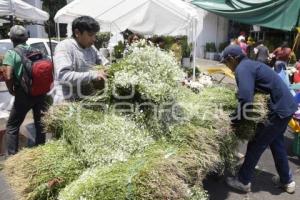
<point x="22" y="104"/>
<point x="270" y="133"/>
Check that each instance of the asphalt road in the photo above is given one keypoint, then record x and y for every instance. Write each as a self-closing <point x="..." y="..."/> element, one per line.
<point x="262" y="186"/>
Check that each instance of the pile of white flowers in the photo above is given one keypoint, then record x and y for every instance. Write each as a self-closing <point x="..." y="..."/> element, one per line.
<point x="153" y="73"/>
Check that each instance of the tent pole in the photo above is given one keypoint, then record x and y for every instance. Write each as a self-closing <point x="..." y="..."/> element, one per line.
<point x="58" y="32"/>
<point x="11" y="20"/>
<point x="194" y="50"/>
<point x="194" y="61"/>
<point x="110" y="53"/>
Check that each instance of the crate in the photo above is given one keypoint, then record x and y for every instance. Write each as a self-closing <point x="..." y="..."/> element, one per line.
<point x="296" y="144"/>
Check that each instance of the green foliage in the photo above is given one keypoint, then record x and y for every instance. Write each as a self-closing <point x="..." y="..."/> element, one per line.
<point x="222" y="46"/>
<point x="161" y="172"/>
<point x="169" y="40"/>
<point x="186" y="48"/>
<point x="119" y="50"/>
<point x="189" y="72"/>
<point x="52" y="6"/>
<point x="37" y="168"/>
<point x="210" y="47"/>
<point x="247" y="128"/>
<point x="102" y="39"/>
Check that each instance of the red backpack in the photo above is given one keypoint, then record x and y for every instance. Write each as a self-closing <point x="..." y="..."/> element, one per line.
<point x="37" y="75"/>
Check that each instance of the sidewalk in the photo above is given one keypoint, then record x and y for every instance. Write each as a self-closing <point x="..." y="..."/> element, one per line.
<point x="204" y="63"/>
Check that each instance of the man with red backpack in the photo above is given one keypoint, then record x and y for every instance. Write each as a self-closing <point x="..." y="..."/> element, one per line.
<point x="24" y="69"/>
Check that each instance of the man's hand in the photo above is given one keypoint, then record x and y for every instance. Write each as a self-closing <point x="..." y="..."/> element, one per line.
<point x="102" y="75"/>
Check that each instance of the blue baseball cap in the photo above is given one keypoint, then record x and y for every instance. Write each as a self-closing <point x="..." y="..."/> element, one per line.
<point x="232" y="50"/>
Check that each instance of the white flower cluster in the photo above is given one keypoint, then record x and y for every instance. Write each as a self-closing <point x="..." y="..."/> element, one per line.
<point x="203" y="81"/>
<point x="153" y="72"/>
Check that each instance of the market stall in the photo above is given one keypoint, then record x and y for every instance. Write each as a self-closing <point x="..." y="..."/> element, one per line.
<point x="281" y="14"/>
<point x="146" y="17"/>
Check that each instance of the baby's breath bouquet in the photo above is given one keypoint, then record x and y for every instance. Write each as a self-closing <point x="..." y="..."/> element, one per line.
<point x="99" y="138"/>
<point x="148" y="72"/>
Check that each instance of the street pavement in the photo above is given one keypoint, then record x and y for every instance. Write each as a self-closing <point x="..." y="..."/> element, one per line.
<point x="262" y="186"/>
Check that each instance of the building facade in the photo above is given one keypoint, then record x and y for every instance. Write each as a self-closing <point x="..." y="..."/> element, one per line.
<point x="36" y="31"/>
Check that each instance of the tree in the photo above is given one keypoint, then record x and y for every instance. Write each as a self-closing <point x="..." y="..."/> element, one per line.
<point x="52" y="6"/>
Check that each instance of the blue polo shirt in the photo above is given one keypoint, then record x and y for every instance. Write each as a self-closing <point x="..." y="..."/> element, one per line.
<point x="251" y="75"/>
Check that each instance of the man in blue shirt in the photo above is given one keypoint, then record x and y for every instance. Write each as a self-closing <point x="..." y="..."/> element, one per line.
<point x="251" y="75"/>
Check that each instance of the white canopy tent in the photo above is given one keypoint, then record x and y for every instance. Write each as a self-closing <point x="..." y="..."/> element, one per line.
<point x="147" y="17"/>
<point x="22" y="10"/>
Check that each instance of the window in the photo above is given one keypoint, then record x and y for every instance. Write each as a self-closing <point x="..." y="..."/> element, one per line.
<point x="40" y="46"/>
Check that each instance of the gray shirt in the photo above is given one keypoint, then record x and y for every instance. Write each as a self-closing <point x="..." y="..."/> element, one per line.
<point x="73" y="66"/>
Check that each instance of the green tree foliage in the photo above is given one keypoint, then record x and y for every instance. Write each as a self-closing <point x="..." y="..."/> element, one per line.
<point x="52" y="6"/>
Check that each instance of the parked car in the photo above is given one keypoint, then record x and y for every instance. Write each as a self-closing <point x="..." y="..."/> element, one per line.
<point x="42" y="44"/>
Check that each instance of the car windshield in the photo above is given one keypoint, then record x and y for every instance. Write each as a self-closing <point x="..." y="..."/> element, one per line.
<point x="5" y="46"/>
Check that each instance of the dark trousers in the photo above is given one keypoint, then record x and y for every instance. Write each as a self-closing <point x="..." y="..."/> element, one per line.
<point x="270" y="133"/>
<point x="22" y="104"/>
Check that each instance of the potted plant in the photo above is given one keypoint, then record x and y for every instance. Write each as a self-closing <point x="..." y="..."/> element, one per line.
<point x="210" y="50"/>
<point x="119" y="50"/>
<point x="186" y="53"/>
<point x="102" y="40"/>
<point x="222" y="46"/>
